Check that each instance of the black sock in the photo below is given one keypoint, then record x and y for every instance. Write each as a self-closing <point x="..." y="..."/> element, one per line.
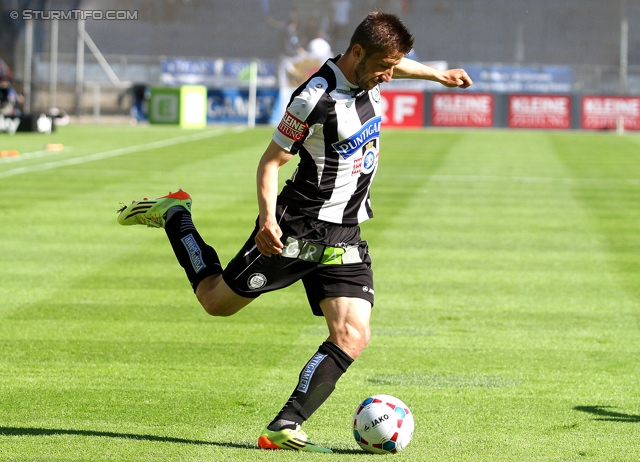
<point x="316" y="382"/>
<point x="198" y="259"/>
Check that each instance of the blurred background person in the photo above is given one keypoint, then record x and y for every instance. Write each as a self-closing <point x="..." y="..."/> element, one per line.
<point x="10" y="99"/>
<point x="319" y="49"/>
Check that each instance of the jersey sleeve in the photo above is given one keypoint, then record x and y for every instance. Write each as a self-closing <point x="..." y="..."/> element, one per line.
<point x="305" y="110"/>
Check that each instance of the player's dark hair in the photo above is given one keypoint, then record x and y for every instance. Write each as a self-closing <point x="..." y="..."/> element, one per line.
<point x="382" y="32"/>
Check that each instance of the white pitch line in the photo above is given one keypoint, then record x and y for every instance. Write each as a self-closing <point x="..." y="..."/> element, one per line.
<point x="113" y="153"/>
<point x="519" y="179"/>
<point x="34" y="155"/>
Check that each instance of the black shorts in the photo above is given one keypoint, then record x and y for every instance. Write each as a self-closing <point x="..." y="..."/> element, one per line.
<point x="331" y="260"/>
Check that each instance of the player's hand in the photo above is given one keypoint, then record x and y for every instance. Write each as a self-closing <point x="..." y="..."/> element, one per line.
<point x="268" y="239"/>
<point x="455" y="78"/>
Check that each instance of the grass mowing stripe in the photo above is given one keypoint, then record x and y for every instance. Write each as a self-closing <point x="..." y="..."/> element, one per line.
<point x="614" y="213"/>
<point x="114" y="153"/>
<point x="500" y="315"/>
<point x="522" y="179"/>
<point x="487" y="263"/>
<point x="88" y="316"/>
<point x="62" y="225"/>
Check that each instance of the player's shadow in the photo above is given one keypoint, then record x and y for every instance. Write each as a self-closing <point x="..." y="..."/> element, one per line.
<point x="24" y="431"/>
<point x="607" y="414"/>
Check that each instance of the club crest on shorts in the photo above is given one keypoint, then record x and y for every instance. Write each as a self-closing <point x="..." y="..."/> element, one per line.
<point x="256" y="281"/>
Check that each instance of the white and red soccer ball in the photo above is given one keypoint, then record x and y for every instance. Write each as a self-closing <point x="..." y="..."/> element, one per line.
<point x="382" y="424"/>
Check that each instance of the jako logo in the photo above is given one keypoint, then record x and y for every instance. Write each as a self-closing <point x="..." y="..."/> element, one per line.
<point x="379" y="420"/>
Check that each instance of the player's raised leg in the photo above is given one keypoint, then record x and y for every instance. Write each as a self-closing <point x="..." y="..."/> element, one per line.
<point x="152" y="212"/>
<point x="199" y="260"/>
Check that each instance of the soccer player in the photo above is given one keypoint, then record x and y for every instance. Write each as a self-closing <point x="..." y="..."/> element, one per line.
<point x="310" y="231"/>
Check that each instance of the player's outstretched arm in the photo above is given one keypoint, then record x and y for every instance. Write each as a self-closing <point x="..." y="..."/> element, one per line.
<point x="410" y="69"/>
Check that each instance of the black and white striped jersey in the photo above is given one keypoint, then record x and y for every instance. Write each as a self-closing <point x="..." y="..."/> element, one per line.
<point x="335" y="129"/>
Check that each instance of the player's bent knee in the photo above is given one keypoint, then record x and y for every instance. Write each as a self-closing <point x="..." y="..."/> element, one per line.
<point x="222" y="303"/>
<point x="353" y="341"/>
<point x="362" y="343"/>
<point x="212" y="308"/>
<point x="221" y="308"/>
<point x="218" y="299"/>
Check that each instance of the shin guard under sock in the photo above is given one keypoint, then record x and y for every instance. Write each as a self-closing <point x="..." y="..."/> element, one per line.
<point x="198" y="259"/>
<point x="316" y="382"/>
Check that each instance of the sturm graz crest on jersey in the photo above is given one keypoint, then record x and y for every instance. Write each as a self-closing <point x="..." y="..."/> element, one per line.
<point x="369" y="131"/>
<point x="369" y="159"/>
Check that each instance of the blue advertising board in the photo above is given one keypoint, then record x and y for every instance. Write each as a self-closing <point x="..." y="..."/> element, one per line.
<point x="520" y="79"/>
<point x="224" y="105"/>
<point x="239" y="68"/>
<point x="216" y="72"/>
<point x="231" y="105"/>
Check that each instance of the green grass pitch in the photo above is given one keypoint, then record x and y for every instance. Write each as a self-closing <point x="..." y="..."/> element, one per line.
<point x="507" y="300"/>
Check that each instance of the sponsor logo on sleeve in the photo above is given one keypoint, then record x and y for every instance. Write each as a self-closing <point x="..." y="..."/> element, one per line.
<point x="292" y="127"/>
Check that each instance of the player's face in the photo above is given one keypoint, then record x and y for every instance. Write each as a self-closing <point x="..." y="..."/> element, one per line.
<point x="376" y="69"/>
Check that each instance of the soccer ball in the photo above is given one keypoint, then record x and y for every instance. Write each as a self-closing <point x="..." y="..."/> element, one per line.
<point x="382" y="424"/>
